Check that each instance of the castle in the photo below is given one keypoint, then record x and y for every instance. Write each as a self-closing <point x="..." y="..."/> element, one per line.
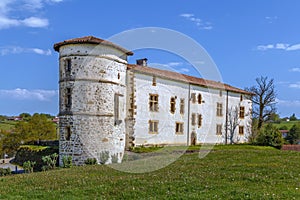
<point x="107" y="105"/>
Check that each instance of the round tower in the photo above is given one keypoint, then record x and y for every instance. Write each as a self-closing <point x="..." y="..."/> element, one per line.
<point x="92" y="99"/>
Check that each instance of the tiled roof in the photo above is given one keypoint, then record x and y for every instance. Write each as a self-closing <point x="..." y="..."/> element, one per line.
<point x="90" y="40"/>
<point x="185" y="78"/>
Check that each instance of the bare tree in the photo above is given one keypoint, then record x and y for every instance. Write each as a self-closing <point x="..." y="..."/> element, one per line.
<point x="232" y="122"/>
<point x="263" y="99"/>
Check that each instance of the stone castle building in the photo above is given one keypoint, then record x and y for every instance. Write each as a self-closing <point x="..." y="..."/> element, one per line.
<point x="107" y="105"/>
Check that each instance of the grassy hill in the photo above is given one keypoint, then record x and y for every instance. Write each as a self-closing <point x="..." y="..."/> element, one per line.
<point x="228" y="172"/>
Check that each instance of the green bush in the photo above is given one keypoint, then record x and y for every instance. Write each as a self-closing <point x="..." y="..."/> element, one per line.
<point x="67" y="161"/>
<point x="91" y="161"/>
<point x="5" y="171"/>
<point x="114" y="158"/>
<point x="50" y="160"/>
<point x="270" y="136"/>
<point x="104" y="156"/>
<point x="28" y="166"/>
<point x="294" y="134"/>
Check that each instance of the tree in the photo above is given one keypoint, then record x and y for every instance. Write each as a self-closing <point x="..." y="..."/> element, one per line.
<point x="293" y="117"/>
<point x="263" y="99"/>
<point x="232" y="123"/>
<point x="270" y="136"/>
<point x="294" y="134"/>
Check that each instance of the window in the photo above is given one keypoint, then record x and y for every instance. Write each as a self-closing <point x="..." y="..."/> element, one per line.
<point x="117" y="109"/>
<point x="199" y="98"/>
<point x="219" y="109"/>
<point x="68" y="99"/>
<point x="219" y="129"/>
<point x="241" y="97"/>
<point x="181" y="106"/>
<point x="153" y="126"/>
<point x="153" y="102"/>
<point x="241" y="130"/>
<point x="193" y="97"/>
<point x="68" y="133"/>
<point x="154" y="81"/>
<point x="68" y="65"/>
<point x="179" y="128"/>
<point x="193" y="119"/>
<point x="242" y="112"/>
<point x="173" y="105"/>
<point x="220" y="93"/>
<point x="199" y="120"/>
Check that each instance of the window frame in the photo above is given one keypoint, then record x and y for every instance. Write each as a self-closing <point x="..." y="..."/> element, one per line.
<point x="193" y="120"/>
<point x="181" y="106"/>
<point x="193" y="97"/>
<point x="241" y="130"/>
<point x="172" y="105"/>
<point x="153" y="103"/>
<point x="199" y="98"/>
<point x="199" y="120"/>
<point x="219" y="109"/>
<point x="219" y="129"/>
<point x="179" y="128"/>
<point x="153" y="126"/>
<point x="242" y="112"/>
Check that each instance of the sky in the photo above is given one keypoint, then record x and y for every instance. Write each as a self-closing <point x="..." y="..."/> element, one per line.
<point x="245" y="39"/>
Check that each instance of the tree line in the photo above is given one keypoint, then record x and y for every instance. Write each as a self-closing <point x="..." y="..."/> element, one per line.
<point x="31" y="129"/>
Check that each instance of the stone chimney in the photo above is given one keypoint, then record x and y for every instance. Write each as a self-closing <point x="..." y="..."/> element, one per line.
<point x="142" y="62"/>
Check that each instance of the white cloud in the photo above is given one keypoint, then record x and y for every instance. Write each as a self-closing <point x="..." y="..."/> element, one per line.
<point x="295" y="69"/>
<point x="197" y="21"/>
<point x="17" y="50"/>
<point x="35" y="22"/>
<point x="24" y="94"/>
<point x="288" y="103"/>
<point x="29" y="7"/>
<point x="280" y="46"/>
<point x="295" y="85"/>
<point x="293" y="47"/>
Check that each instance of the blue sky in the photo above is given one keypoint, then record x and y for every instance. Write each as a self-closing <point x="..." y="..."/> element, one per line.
<point x="246" y="39"/>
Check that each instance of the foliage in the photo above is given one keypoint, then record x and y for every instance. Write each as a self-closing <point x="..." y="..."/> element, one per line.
<point x="104" y="156"/>
<point x="25" y="116"/>
<point x="227" y="172"/>
<point x="91" y="161"/>
<point x="50" y="160"/>
<point x="264" y="99"/>
<point x="294" y="134"/>
<point x="114" y="158"/>
<point x="270" y="136"/>
<point x="5" y="171"/>
<point x="284" y="127"/>
<point x="67" y="161"/>
<point x="293" y="117"/>
<point x="143" y="149"/>
<point x="28" y="166"/>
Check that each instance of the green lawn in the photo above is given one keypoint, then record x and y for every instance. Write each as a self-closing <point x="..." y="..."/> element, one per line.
<point x="287" y="124"/>
<point x="227" y="172"/>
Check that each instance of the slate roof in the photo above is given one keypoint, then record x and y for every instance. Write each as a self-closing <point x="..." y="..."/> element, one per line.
<point x="185" y="78"/>
<point x="90" y="40"/>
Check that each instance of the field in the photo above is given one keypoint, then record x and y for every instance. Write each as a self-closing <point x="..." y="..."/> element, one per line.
<point x="7" y="125"/>
<point x="227" y="172"/>
<point x="287" y="124"/>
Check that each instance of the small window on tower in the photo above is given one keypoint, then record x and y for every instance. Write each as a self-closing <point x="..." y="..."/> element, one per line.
<point x="68" y="99"/>
<point x="68" y="133"/>
<point x="199" y="98"/>
<point x="68" y="66"/>
<point x="241" y="97"/>
<point x="117" y="109"/>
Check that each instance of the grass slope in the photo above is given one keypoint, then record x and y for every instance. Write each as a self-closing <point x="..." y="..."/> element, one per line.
<point x="228" y="172"/>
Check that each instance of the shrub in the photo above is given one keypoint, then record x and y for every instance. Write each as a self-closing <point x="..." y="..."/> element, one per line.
<point x="91" y="161"/>
<point x="270" y="136"/>
<point x="67" y="161"/>
<point x="104" y="156"/>
<point x="28" y="166"/>
<point x="5" y="171"/>
<point x="114" y="158"/>
<point x="50" y="160"/>
<point x="294" y="134"/>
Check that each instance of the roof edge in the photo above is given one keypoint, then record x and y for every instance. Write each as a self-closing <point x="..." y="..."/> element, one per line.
<point x="90" y="40"/>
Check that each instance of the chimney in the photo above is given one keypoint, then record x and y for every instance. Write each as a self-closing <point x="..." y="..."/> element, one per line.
<point x="142" y="62"/>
